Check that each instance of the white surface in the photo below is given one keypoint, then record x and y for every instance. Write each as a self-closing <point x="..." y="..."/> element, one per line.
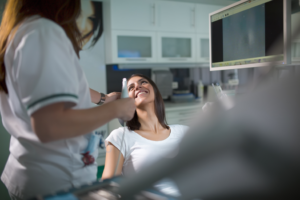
<point x="202" y="17"/>
<point x="133" y="15"/>
<point x="176" y="17"/>
<point x="139" y="152"/>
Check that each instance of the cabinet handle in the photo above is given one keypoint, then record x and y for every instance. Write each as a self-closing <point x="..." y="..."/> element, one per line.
<point x="136" y="59"/>
<point x="153" y="7"/>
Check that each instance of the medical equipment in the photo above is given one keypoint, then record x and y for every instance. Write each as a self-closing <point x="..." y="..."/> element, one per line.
<point x="123" y="95"/>
<point x="163" y="79"/>
<point x="242" y="34"/>
<point x="108" y="189"/>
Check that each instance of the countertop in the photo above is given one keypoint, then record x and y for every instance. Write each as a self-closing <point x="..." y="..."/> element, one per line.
<point x="169" y="106"/>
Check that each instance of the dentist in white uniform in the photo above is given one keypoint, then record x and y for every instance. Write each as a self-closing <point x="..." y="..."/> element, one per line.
<point x="45" y="99"/>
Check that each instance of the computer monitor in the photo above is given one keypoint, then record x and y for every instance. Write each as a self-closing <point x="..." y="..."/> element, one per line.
<point x="243" y="34"/>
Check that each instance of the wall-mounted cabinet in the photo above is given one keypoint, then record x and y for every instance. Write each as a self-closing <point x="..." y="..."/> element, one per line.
<point x="132" y="14"/>
<point x="133" y="46"/>
<point x="296" y="51"/>
<point x="202" y="17"/>
<point x="147" y="31"/>
<point x="175" y="16"/>
<point x="176" y="47"/>
<point x="202" y="45"/>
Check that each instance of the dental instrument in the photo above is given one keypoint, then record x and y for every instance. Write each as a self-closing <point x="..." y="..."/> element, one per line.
<point x="124" y="94"/>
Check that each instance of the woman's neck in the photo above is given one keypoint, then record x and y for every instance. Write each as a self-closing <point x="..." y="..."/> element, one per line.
<point x="148" y="119"/>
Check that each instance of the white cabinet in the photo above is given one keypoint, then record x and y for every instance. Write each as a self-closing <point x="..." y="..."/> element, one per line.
<point x="182" y="113"/>
<point x="295" y="47"/>
<point x="175" y="16"/>
<point x="202" y="17"/>
<point x="133" y="47"/>
<point x="176" y="47"/>
<point x="183" y="117"/>
<point x="132" y="14"/>
<point x="296" y="51"/>
<point x="202" y="48"/>
<point x="148" y="31"/>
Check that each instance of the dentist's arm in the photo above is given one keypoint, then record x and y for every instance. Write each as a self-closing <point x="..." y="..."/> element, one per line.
<point x="56" y="122"/>
<point x="95" y="96"/>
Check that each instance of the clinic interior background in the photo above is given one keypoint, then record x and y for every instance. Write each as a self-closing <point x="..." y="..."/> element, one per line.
<point x="107" y="78"/>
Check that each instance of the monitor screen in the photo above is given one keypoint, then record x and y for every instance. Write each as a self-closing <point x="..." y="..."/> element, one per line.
<point x="243" y="35"/>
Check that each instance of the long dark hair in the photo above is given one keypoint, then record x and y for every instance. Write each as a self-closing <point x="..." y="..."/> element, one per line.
<point x="97" y="21"/>
<point x="63" y="12"/>
<point x="159" y="107"/>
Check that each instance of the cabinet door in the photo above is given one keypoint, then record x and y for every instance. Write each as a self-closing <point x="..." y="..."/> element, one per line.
<point x="202" y="46"/>
<point x="133" y="14"/>
<point x="133" y="47"/>
<point x="176" y="47"/>
<point x="296" y="51"/>
<point x="183" y="117"/>
<point x="295" y="46"/>
<point x="175" y="16"/>
<point x="202" y="16"/>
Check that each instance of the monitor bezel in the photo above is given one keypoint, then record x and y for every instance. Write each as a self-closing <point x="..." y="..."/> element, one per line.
<point x="286" y="35"/>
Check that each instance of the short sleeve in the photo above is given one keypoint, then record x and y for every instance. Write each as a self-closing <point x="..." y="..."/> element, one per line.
<point x="115" y="138"/>
<point x="179" y="130"/>
<point x="44" y="66"/>
<point x="184" y="128"/>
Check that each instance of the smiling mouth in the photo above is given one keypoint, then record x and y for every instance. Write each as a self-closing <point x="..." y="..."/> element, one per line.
<point x="144" y="92"/>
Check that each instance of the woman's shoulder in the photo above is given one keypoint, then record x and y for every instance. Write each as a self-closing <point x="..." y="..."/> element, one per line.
<point x="178" y="129"/>
<point x="42" y="23"/>
<point x="37" y="24"/>
<point x="117" y="133"/>
<point x="118" y="130"/>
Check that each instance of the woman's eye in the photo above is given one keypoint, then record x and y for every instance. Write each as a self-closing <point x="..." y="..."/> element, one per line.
<point x="144" y="82"/>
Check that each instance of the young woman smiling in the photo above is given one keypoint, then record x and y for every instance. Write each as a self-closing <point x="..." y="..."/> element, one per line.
<point x="147" y="135"/>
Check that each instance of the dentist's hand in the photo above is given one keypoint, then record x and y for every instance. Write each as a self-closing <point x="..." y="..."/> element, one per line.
<point x="125" y="108"/>
<point x="112" y="96"/>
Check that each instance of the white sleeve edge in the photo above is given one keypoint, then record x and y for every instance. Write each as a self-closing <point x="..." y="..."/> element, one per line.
<point x="42" y="104"/>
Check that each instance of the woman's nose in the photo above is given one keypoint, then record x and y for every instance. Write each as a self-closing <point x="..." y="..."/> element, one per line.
<point x="137" y="86"/>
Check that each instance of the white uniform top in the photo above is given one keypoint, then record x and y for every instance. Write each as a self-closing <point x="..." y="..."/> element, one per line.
<point x="139" y="151"/>
<point x="42" y="68"/>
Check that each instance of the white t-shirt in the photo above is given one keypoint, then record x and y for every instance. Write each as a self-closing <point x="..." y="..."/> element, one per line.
<point x="42" y="68"/>
<point x="139" y="151"/>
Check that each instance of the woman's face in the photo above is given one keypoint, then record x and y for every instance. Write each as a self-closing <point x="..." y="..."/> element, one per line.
<point x="84" y="22"/>
<point x="141" y="90"/>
